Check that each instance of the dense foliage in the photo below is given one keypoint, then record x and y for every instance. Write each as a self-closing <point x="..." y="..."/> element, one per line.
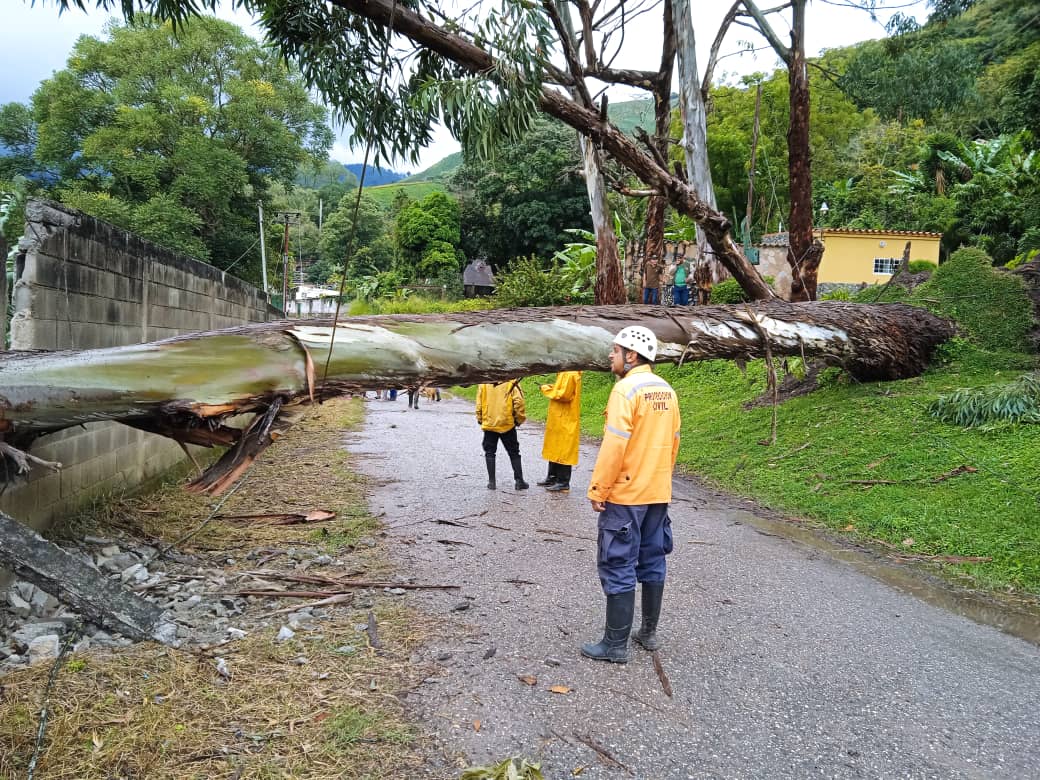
<point x="521" y="200"/>
<point x="174" y="136"/>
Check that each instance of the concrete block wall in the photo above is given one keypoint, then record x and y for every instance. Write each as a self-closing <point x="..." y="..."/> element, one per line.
<point x="81" y="283"/>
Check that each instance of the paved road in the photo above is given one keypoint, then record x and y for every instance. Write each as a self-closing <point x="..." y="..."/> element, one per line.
<point x="785" y="662"/>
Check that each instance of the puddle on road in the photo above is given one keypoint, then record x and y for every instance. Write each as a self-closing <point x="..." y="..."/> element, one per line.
<point x="1022" y="622"/>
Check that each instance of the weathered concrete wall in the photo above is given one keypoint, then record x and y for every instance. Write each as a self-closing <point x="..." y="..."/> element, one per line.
<point x="81" y="283"/>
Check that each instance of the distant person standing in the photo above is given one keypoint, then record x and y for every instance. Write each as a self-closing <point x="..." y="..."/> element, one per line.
<point x="562" y="430"/>
<point x="651" y="281"/>
<point x="667" y="280"/>
<point x="500" y="409"/>
<point x="680" y="286"/>
<point x="631" y="487"/>
<point x="413" y="397"/>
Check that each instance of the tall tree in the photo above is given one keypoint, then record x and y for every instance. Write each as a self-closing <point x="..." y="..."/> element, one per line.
<point x="176" y="133"/>
<point x="804" y="253"/>
<point x="521" y="199"/>
<point x="485" y="77"/>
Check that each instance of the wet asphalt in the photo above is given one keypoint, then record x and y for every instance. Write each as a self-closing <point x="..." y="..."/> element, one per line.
<point x="784" y="661"/>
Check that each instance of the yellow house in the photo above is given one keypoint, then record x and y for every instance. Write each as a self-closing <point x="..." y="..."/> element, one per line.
<point x="850" y="256"/>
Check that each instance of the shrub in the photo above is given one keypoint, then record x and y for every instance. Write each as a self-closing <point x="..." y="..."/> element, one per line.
<point x="729" y="291"/>
<point x="990" y="305"/>
<point x="525" y="283"/>
<point x="837" y="294"/>
<point x="917" y="266"/>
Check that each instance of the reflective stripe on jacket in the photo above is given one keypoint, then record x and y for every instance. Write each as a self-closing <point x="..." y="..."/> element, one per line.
<point x="563" y="421"/>
<point x="640" y="442"/>
<point x="501" y="406"/>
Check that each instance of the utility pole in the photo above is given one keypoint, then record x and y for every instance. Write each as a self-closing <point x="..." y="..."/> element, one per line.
<point x="263" y="245"/>
<point x="286" y="218"/>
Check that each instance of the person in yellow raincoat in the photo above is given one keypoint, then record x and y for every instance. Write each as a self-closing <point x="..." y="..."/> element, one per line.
<point x="562" y="430"/>
<point x="500" y="409"/>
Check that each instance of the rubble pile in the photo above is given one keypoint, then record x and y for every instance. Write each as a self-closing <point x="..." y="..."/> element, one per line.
<point x="193" y="594"/>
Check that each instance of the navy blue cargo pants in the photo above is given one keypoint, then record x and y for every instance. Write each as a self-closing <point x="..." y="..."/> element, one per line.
<point x="633" y="543"/>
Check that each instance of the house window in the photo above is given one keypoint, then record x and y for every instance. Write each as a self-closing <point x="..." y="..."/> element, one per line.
<point x="886" y="265"/>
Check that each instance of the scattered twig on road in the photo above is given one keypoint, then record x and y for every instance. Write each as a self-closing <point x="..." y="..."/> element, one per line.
<point x="515" y="581"/>
<point x="452" y="522"/>
<point x="453" y="542"/>
<point x="498" y="527"/>
<point x="554" y="532"/>
<point x="338" y="598"/>
<point x="666" y="684"/>
<point x="603" y="753"/>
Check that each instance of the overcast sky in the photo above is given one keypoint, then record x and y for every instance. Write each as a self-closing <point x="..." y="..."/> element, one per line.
<point x="36" y="41"/>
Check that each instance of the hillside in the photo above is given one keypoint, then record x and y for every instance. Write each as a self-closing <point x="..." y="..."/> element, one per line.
<point x="375" y="176"/>
<point x="439" y="171"/>
<point x="384" y="194"/>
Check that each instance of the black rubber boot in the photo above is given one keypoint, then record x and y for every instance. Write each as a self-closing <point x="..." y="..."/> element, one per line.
<point x="550" y="478"/>
<point x="490" y="461"/>
<point x="647" y="633"/>
<point x="563" y="479"/>
<point x="614" y="645"/>
<point x="518" y="473"/>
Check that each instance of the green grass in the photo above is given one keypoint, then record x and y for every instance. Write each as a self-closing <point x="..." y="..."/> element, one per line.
<point x="416" y="305"/>
<point x="416" y="190"/>
<point x="845" y="432"/>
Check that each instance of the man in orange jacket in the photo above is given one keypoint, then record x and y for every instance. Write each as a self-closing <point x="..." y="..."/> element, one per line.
<point x="631" y="487"/>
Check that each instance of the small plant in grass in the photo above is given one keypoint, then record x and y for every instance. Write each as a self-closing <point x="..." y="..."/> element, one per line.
<point x="1016" y="402"/>
<point x="351" y="725"/>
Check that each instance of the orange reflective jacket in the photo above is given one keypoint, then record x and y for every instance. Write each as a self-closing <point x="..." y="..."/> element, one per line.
<point x="640" y="442"/>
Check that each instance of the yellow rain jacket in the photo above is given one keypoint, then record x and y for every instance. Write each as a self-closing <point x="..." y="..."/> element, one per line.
<point x="563" y="423"/>
<point x="640" y="442"/>
<point x="501" y="406"/>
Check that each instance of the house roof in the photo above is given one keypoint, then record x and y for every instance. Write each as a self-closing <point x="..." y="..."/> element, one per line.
<point x="782" y="239"/>
<point x="478" y="273"/>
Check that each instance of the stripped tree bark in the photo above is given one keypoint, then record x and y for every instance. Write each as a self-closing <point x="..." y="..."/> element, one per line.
<point x="804" y="252"/>
<point x="186" y="387"/>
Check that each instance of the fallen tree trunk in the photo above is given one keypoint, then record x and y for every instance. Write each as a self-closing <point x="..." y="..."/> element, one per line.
<point x="185" y="387"/>
<point x="99" y="599"/>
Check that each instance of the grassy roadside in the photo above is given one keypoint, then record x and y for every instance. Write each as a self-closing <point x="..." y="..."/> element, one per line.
<point x="149" y="711"/>
<point x="838" y="449"/>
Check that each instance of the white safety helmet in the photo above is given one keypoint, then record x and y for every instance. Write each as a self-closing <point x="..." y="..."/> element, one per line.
<point x="640" y="340"/>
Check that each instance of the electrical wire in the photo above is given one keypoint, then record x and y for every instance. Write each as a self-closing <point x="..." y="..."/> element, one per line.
<point x="357" y="200"/>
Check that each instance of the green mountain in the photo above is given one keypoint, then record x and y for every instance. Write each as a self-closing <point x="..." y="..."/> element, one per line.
<point x="439" y="171"/>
